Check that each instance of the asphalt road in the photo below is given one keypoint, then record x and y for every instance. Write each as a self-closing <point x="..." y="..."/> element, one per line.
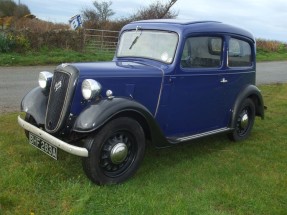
<point x="15" y="82"/>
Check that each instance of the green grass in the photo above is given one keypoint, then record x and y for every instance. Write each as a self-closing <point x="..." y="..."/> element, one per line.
<point x="55" y="56"/>
<point x="271" y="56"/>
<point x="209" y="176"/>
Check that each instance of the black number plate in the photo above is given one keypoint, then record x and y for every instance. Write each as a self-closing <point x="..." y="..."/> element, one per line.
<point x="44" y="146"/>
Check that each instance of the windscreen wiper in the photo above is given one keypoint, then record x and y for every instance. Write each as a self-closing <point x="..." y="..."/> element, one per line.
<point x="136" y="39"/>
<point x="134" y="42"/>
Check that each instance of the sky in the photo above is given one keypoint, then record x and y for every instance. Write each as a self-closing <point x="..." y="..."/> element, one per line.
<point x="263" y="18"/>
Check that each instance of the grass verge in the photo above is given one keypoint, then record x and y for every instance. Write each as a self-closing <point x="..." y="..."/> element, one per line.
<point x="209" y="176"/>
<point x="54" y="57"/>
<point x="271" y="56"/>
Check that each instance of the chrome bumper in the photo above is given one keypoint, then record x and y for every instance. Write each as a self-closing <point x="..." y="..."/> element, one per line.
<point x="79" y="151"/>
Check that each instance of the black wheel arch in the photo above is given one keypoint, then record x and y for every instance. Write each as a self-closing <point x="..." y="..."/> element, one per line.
<point x="35" y="103"/>
<point x="253" y="93"/>
<point x="97" y="115"/>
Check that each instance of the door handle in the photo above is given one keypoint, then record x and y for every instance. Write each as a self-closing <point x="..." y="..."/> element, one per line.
<point x="223" y="80"/>
<point x="171" y="79"/>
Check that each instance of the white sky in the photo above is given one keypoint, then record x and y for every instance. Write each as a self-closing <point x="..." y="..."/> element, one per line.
<point x="266" y="19"/>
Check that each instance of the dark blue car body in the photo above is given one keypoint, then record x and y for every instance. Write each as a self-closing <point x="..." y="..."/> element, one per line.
<point x="171" y="101"/>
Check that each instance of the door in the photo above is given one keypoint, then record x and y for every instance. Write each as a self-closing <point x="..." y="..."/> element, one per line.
<point x="197" y="101"/>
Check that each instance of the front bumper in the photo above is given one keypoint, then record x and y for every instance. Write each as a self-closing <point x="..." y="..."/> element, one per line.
<point x="79" y="151"/>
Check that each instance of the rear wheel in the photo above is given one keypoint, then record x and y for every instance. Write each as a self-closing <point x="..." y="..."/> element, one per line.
<point x="244" y="121"/>
<point x="115" y="152"/>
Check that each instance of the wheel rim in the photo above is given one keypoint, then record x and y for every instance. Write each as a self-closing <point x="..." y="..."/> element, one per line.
<point x="243" y="121"/>
<point x="117" y="154"/>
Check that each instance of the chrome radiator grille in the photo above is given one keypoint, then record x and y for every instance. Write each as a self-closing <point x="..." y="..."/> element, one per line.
<point x="60" y="97"/>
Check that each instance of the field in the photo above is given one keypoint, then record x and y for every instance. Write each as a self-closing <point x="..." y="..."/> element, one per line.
<point x="53" y="57"/>
<point x="209" y="176"/>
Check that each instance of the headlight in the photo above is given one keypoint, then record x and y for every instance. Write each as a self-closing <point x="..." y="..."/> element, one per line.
<point x="91" y="89"/>
<point x="45" y="79"/>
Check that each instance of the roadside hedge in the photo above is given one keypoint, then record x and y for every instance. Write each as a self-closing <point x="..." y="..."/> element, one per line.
<point x="28" y="40"/>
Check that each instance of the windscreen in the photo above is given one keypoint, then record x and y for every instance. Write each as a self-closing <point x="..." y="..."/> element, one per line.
<point x="157" y="45"/>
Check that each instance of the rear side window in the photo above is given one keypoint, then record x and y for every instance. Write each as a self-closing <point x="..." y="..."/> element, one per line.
<point x="239" y="54"/>
<point x="202" y="52"/>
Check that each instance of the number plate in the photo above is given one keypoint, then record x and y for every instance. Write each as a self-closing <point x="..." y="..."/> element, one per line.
<point x="44" y="146"/>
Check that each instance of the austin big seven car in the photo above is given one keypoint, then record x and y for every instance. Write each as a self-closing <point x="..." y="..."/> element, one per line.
<point x="170" y="81"/>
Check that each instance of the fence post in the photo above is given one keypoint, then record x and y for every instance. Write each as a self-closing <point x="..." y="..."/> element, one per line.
<point x="102" y="45"/>
<point x="84" y="44"/>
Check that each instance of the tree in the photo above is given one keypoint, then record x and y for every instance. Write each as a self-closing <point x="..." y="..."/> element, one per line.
<point x="7" y="7"/>
<point x="21" y="10"/>
<point x="90" y="18"/>
<point x="156" y="10"/>
<point x="103" y="10"/>
<point x="10" y="8"/>
<point x="98" y="16"/>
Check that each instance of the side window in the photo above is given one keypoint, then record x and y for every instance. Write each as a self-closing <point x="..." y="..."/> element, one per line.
<point x="202" y="52"/>
<point x="239" y="54"/>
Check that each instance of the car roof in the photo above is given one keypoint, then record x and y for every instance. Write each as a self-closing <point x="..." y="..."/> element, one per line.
<point x="185" y="27"/>
<point x="173" y="21"/>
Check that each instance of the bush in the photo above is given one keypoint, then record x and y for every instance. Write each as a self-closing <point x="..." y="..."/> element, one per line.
<point x="36" y="25"/>
<point x="12" y="42"/>
<point x="62" y="39"/>
<point x="270" y="46"/>
<point x="32" y="35"/>
<point x="21" y="42"/>
<point x="26" y="40"/>
<point x="47" y="34"/>
<point x="6" y="44"/>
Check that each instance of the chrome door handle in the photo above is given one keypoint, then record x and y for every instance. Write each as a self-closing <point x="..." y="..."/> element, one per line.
<point x="223" y="80"/>
<point x="171" y="79"/>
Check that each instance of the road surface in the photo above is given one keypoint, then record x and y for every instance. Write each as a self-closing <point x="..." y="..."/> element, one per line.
<point x="15" y="82"/>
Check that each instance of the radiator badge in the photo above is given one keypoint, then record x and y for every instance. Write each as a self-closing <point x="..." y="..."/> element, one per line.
<point x="58" y="85"/>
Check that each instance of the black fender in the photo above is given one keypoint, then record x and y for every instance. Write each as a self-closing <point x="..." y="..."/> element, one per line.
<point x="35" y="104"/>
<point x="98" y="114"/>
<point x="253" y="93"/>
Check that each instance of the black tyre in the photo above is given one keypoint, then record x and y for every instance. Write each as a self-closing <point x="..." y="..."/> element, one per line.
<point x="115" y="152"/>
<point x="244" y="121"/>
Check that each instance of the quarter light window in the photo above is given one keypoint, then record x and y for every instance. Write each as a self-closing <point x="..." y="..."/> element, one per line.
<point x="202" y="52"/>
<point x="239" y="54"/>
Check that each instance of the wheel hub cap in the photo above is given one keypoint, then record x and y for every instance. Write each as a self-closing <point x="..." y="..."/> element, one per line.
<point x="119" y="153"/>
<point x="244" y="121"/>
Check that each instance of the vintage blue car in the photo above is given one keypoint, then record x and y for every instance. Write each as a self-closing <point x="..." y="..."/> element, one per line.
<point x="170" y="81"/>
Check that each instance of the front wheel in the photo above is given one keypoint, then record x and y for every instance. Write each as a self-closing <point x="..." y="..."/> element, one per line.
<point x="115" y="152"/>
<point x="244" y="121"/>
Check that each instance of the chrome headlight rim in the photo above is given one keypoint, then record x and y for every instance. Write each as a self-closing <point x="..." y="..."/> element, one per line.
<point x="91" y="89"/>
<point x="45" y="79"/>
